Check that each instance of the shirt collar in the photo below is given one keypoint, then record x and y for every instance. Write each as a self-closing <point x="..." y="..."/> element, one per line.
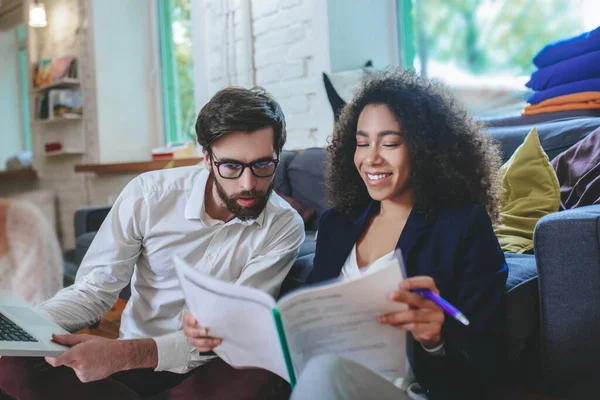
<point x="195" y="209"/>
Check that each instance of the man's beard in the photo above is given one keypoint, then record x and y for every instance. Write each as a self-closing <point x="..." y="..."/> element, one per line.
<point x="241" y="212"/>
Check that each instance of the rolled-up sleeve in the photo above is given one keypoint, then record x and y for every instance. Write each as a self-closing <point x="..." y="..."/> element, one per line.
<point x="176" y="354"/>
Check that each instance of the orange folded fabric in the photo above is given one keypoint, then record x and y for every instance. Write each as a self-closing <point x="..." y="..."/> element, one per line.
<point x="575" y="101"/>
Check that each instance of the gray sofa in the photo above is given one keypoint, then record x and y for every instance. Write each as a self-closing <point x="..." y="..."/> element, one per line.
<point x="552" y="296"/>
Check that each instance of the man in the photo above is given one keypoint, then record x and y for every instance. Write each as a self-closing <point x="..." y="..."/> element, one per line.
<point x="224" y="220"/>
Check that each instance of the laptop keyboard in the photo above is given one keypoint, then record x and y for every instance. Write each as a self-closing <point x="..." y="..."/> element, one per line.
<point x="11" y="332"/>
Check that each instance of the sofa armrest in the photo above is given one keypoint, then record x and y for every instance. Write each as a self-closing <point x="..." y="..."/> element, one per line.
<point x="89" y="219"/>
<point x="567" y="250"/>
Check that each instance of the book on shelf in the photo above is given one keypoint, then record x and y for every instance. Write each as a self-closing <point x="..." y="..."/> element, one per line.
<point x="59" y="104"/>
<point x="338" y="317"/>
<point x="49" y="71"/>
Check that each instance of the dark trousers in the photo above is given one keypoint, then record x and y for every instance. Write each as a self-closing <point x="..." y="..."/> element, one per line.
<point x="25" y="378"/>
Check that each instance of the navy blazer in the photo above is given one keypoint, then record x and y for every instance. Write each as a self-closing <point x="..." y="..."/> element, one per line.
<point x="459" y="250"/>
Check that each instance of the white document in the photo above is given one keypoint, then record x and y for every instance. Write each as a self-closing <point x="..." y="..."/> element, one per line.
<point x="341" y="318"/>
<point x="241" y="316"/>
<point x="333" y="318"/>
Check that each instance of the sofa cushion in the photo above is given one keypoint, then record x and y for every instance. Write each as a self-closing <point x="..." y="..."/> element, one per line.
<point x="519" y="120"/>
<point x="298" y="274"/>
<point x="309" y="245"/>
<point x="529" y="192"/>
<point x="305" y="212"/>
<point x="555" y="136"/>
<point x="82" y="244"/>
<point x="306" y="174"/>
<point x="281" y="181"/>
<point x="522" y="304"/>
<point x="578" y="172"/>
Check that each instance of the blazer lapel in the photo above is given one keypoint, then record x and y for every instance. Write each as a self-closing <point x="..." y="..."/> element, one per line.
<point x="347" y="237"/>
<point x="416" y="225"/>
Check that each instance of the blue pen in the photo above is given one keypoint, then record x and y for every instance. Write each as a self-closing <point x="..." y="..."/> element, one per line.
<point x="428" y="294"/>
<point x="444" y="305"/>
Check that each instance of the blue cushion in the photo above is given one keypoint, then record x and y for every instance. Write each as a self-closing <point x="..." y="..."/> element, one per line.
<point x="574" y="69"/>
<point x="587" y="85"/>
<point x="568" y="48"/>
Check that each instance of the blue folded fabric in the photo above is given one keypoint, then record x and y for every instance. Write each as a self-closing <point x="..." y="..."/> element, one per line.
<point x="579" y="68"/>
<point x="568" y="48"/>
<point x="588" y="85"/>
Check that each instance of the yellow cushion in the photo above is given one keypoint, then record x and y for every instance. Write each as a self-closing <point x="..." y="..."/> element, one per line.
<point x="530" y="190"/>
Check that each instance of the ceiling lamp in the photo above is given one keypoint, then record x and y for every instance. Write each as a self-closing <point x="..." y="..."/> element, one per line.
<point x="37" y="15"/>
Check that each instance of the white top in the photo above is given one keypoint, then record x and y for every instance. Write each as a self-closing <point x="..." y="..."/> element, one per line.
<point x="32" y="268"/>
<point x="158" y="215"/>
<point x="350" y="270"/>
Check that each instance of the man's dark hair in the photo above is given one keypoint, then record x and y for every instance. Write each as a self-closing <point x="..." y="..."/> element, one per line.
<point x="238" y="109"/>
<point x="452" y="161"/>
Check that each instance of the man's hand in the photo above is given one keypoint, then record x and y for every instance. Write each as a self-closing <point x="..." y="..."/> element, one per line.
<point x="94" y="358"/>
<point x="91" y="357"/>
<point x="423" y="318"/>
<point x="198" y="336"/>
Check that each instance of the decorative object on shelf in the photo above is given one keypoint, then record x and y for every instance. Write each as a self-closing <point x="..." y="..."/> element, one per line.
<point x="54" y="72"/>
<point x="58" y="104"/>
<point x="37" y="15"/>
<point x="57" y="149"/>
<point x="174" y="151"/>
<point x="53" y="146"/>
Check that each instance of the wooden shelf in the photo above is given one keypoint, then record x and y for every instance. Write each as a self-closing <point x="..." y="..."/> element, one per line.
<point x="27" y="174"/>
<point x="136" y="167"/>
<point x="55" y="120"/>
<point x="63" y="83"/>
<point x="65" y="152"/>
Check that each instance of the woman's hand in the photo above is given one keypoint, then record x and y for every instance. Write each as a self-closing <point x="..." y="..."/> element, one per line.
<point x="198" y="336"/>
<point x="423" y="318"/>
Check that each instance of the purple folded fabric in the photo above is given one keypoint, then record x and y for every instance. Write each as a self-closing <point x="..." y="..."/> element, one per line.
<point x="588" y="85"/>
<point x="568" y="48"/>
<point x="579" y="68"/>
<point x="578" y="172"/>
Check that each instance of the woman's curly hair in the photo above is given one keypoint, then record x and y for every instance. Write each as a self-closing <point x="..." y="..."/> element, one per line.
<point x="452" y="161"/>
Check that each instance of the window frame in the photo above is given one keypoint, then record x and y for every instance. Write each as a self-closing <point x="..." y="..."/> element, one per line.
<point x="405" y="28"/>
<point x="24" y="87"/>
<point x="168" y="79"/>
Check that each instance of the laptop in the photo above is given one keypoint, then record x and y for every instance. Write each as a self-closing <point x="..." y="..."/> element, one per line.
<point x="24" y="332"/>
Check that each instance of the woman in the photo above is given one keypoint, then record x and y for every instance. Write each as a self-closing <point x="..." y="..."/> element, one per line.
<point x="410" y="170"/>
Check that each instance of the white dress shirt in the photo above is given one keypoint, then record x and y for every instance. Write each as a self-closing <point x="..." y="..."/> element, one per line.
<point x="158" y="215"/>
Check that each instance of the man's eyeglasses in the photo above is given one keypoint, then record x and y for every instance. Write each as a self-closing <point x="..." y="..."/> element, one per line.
<point x="234" y="169"/>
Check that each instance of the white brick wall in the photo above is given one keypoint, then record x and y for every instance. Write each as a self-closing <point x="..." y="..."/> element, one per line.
<point x="285" y="56"/>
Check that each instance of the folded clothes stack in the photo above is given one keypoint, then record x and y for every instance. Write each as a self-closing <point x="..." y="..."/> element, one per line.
<point x="568" y="75"/>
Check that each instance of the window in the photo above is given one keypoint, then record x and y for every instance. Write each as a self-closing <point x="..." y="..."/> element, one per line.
<point x="487" y="44"/>
<point x="14" y="99"/>
<point x="177" y="69"/>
